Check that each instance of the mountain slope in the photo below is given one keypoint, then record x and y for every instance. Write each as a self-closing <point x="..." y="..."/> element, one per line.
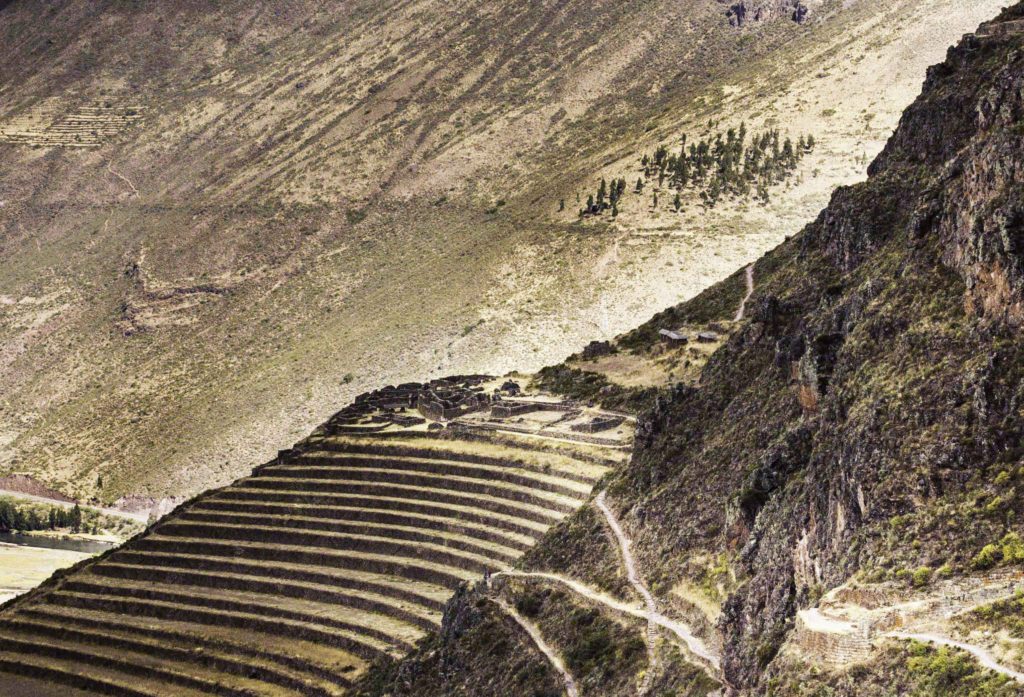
<point x="844" y="471"/>
<point x="220" y="222"/>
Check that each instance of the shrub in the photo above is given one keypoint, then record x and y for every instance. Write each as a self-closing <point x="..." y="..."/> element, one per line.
<point x="1012" y="548"/>
<point x="988" y="557"/>
<point x="922" y="577"/>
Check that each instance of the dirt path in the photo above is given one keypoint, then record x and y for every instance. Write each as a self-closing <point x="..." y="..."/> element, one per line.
<point x="634" y="579"/>
<point x="983" y="656"/>
<point x="126" y="180"/>
<point x="750" y="291"/>
<point x="696" y="646"/>
<point x="553" y="658"/>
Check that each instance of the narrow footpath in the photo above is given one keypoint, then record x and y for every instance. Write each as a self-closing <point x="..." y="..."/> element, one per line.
<point x="647" y="610"/>
<point x="741" y="312"/>
<point x="553" y="658"/>
<point x="695" y="645"/>
<point x="126" y="180"/>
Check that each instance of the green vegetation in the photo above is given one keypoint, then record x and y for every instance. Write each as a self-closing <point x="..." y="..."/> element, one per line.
<point x="596" y="646"/>
<point x="21" y="516"/>
<point x="906" y="669"/>
<point x="727" y="164"/>
<point x="592" y="387"/>
<point x="947" y="671"/>
<point x="1002" y="615"/>
<point x="1009" y="550"/>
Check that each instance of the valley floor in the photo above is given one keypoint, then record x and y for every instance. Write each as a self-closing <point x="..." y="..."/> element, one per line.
<point x="24" y="568"/>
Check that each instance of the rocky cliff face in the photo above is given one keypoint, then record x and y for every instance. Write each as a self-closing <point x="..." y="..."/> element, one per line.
<point x="744" y="11"/>
<point x="866" y="420"/>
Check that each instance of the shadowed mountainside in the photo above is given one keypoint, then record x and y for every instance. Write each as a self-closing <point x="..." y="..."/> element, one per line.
<point x="859" y="430"/>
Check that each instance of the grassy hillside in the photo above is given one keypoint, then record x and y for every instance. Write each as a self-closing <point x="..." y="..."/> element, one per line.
<point x="219" y="223"/>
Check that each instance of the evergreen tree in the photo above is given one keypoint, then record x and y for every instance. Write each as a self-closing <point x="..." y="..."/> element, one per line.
<point x="678" y="203"/>
<point x="76" y="518"/>
<point x="639" y="185"/>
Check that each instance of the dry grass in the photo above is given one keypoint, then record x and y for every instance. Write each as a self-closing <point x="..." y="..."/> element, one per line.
<point x="311" y="208"/>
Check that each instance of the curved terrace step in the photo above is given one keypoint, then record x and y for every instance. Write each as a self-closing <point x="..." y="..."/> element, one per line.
<point x="151" y="567"/>
<point x="455" y="525"/>
<point x="424" y="582"/>
<point x="331" y="616"/>
<point x="334" y="462"/>
<point x="407" y="533"/>
<point x="332" y="541"/>
<point x="558" y="466"/>
<point x="326" y="502"/>
<point x="216" y="663"/>
<point x="360" y="599"/>
<point x="419" y="569"/>
<point x="23" y="639"/>
<point x="329" y="479"/>
<point x="321" y="663"/>
<point x="97" y="681"/>
<point x="276" y="628"/>
<point x="317" y="490"/>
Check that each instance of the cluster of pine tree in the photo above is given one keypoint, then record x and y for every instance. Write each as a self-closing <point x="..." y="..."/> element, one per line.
<point x="608" y="196"/>
<point x="13" y="517"/>
<point x="729" y="163"/>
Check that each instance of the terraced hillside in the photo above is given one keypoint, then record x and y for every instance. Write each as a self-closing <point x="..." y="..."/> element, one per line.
<point x="290" y="581"/>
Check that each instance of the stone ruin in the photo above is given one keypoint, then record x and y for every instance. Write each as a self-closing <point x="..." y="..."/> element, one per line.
<point x="601" y="423"/>
<point x="438" y="400"/>
<point x="444" y="400"/>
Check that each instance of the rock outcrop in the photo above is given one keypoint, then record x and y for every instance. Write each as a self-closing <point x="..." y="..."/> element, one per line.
<point x="743" y="11"/>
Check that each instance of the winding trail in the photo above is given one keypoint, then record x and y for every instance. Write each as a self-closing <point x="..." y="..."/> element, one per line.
<point x="126" y="180"/>
<point x="695" y="645"/>
<point x="750" y="291"/>
<point x="984" y="657"/>
<point x="634" y="578"/>
<point x="553" y="658"/>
